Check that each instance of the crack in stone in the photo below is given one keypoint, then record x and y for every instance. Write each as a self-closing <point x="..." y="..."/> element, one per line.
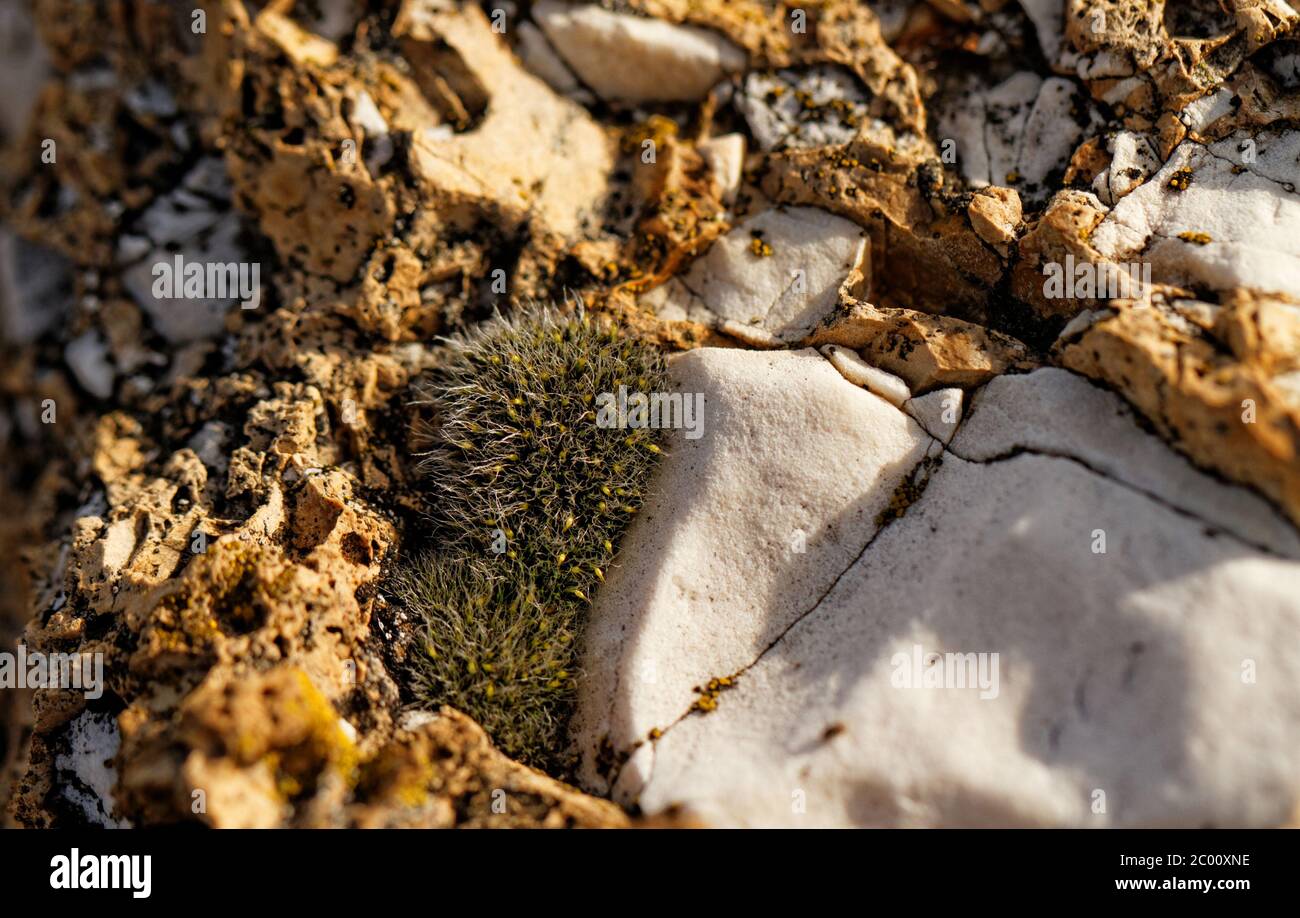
<point x="1217" y="528"/>
<point x="803" y="615"/>
<point x="995" y="460"/>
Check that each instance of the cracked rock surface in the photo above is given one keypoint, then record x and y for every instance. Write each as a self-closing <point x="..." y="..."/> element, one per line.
<point x="843" y="235"/>
<point x="1118" y="669"/>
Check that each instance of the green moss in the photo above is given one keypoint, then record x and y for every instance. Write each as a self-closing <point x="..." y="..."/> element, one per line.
<point x="528" y="498"/>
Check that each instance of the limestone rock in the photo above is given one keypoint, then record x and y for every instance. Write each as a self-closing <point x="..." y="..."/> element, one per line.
<point x="688" y="602"/>
<point x="821" y="107"/>
<point x="1125" y="642"/>
<point x="441" y="771"/>
<point x="36" y="287"/>
<point x="1211" y="379"/>
<point x="632" y="59"/>
<point x="927" y="351"/>
<point x="1215" y="216"/>
<point x="1018" y="132"/>
<point x="860" y="373"/>
<point x="224" y="489"/>
<point x="780" y="270"/>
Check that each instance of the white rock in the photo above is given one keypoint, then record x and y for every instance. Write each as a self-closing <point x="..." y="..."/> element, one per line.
<point x="1133" y="161"/>
<point x="726" y="157"/>
<point x="635" y="59"/>
<point x="1250" y="211"/>
<point x="1201" y="113"/>
<point x="734" y="544"/>
<point x="938" y="412"/>
<point x="752" y="335"/>
<point x="93" y="740"/>
<point x="802" y="108"/>
<point x="176" y="218"/>
<point x="785" y="293"/>
<point x="1056" y="412"/>
<point x="1048" y="17"/>
<point x="210" y="179"/>
<point x="179" y="319"/>
<point x="36" y="288"/>
<point x="24" y="67"/>
<point x="1017" y="133"/>
<point x="1118" y="672"/>
<point x="537" y="55"/>
<point x="857" y="371"/>
<point x="87" y="358"/>
<point x="1084" y="320"/>
<point x="366" y="115"/>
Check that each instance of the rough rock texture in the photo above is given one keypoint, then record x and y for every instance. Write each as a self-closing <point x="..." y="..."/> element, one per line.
<point x="212" y="496"/>
<point x="780" y="272"/>
<point x="774" y="697"/>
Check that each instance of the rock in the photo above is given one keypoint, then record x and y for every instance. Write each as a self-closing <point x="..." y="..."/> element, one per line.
<point x="87" y="357"/>
<point x="195" y="222"/>
<point x="634" y="59"/>
<point x="891" y="186"/>
<point x="36" y="288"/>
<point x="779" y="270"/>
<point x="92" y="741"/>
<point x="939" y="413"/>
<point x="1212" y="379"/>
<point x="1048" y="17"/>
<point x="860" y="373"/>
<point x="1217" y="216"/>
<point x="333" y="20"/>
<point x="685" y="601"/>
<point x="994" y="215"/>
<point x="441" y="771"/>
<point x="1018" y="132"/>
<point x="243" y="480"/>
<point x="540" y="58"/>
<point x="1117" y="637"/>
<point x="1054" y="412"/>
<point x="726" y="158"/>
<point x="1133" y="160"/>
<point x="529" y="138"/>
<point x="182" y="318"/>
<point x="24" y="66"/>
<point x="928" y="352"/>
<point x="792" y="108"/>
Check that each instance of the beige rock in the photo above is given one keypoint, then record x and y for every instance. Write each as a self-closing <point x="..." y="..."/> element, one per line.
<point x="927" y="352"/>
<point x="1217" y="391"/>
<point x="441" y="771"/>
<point x="994" y="214"/>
